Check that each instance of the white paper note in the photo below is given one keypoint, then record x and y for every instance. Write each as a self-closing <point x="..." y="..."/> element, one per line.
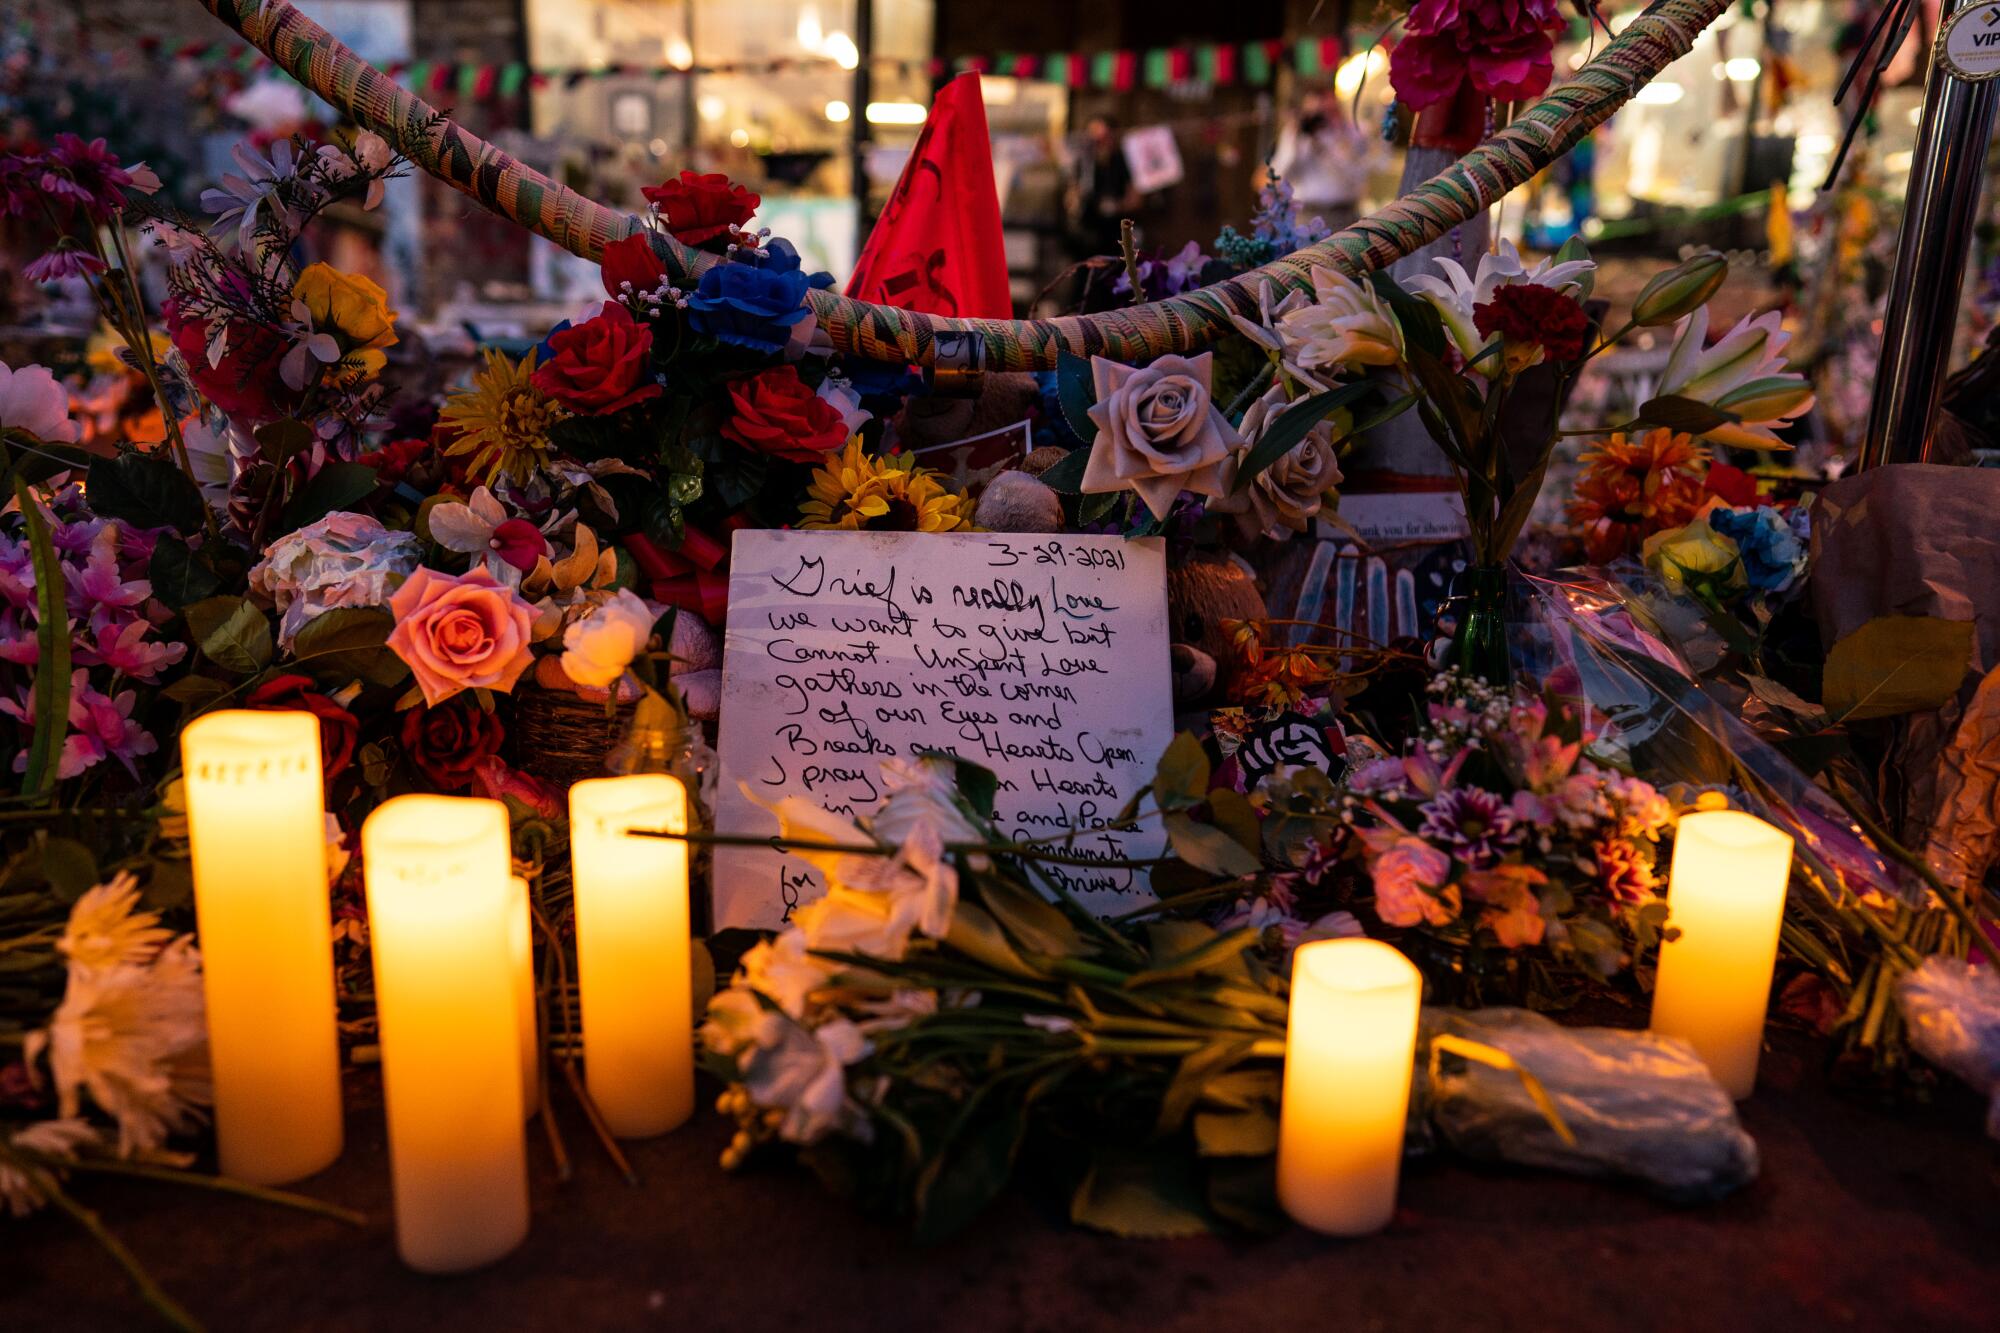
<point x="1042" y="657"/>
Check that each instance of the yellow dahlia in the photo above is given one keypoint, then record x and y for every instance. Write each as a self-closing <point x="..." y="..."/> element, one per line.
<point x="855" y="493"/>
<point x="502" y="420"/>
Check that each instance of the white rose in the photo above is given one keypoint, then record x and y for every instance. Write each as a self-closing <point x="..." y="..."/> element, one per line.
<point x="598" y="648"/>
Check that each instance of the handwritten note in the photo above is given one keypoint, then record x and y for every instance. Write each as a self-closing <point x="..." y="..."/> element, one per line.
<point x="1043" y="658"/>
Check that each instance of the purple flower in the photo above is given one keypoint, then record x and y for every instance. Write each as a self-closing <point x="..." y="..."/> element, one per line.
<point x="1476" y="824"/>
<point x="86" y="174"/>
<point x="65" y="261"/>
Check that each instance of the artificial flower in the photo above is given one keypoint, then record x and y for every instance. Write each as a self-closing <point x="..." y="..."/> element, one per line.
<point x="1503" y="48"/>
<point x="918" y="792"/>
<point x="236" y="365"/>
<point x="1635" y="486"/>
<point x="1744" y="373"/>
<point x="803" y="1075"/>
<point x="784" y="970"/>
<point x="1532" y="322"/>
<point x="502" y="421"/>
<point x="773" y="412"/>
<point x="260" y="189"/>
<point x="1286" y="495"/>
<point x="128" y="649"/>
<point x="857" y="491"/>
<point x="134" y="1038"/>
<point x="600" y="647"/>
<point x="24" y="1188"/>
<point x="32" y="402"/>
<point x="1774" y="553"/>
<point x="107" y="929"/>
<point x="1624" y="871"/>
<point x="100" y="727"/>
<point x="630" y="268"/>
<point x="1345" y="324"/>
<point x="525" y="795"/>
<point x="449" y="742"/>
<point x="460" y="633"/>
<point x="699" y="207"/>
<point x="1694" y="554"/>
<point x="1510" y="908"/>
<point x="1411" y="884"/>
<point x="63" y="262"/>
<point x="339" y="730"/>
<point x="370" y="154"/>
<point x="1475" y="824"/>
<point x="600" y="366"/>
<point x="344" y="559"/>
<point x="480" y="527"/>
<point x="1158" y="431"/>
<point x="85" y="174"/>
<point x="1457" y="295"/>
<point x="349" y="310"/>
<point x="755" y="301"/>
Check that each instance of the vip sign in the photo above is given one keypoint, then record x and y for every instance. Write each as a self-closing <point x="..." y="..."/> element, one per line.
<point x="1968" y="46"/>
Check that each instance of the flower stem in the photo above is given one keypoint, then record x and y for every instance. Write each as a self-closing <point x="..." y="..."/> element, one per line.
<point x="221" y="1185"/>
<point x="149" y="1290"/>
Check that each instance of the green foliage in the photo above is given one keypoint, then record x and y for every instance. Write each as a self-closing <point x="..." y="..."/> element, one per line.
<point x="146" y="490"/>
<point x="348" y="643"/>
<point x="336" y="486"/>
<point x="178" y="575"/>
<point x="231" y="632"/>
<point x="52" y="642"/>
<point x="1076" y="396"/>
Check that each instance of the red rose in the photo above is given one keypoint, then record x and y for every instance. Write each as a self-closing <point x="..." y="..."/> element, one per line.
<point x="393" y="461"/>
<point x="699" y="207"/>
<point x="1526" y="312"/>
<point x="338" y="729"/>
<point x="631" y="261"/>
<point x="775" y="413"/>
<point x="600" y="366"/>
<point x="245" y="382"/>
<point x="448" y="742"/>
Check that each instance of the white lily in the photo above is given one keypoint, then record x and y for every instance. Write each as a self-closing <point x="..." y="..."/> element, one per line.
<point x="1744" y="373"/>
<point x="1456" y="295"/>
<point x="1346" y="324"/>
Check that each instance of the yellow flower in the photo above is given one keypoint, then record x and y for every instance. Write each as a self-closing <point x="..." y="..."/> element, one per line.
<point x="1696" y="553"/>
<point x="353" y="309"/>
<point x="855" y="492"/>
<point x="503" y="420"/>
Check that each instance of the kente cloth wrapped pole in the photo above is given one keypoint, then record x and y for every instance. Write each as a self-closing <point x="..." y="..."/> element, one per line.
<point x="1540" y="135"/>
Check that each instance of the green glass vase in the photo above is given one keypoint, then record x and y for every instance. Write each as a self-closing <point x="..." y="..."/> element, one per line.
<point x="1479" y="643"/>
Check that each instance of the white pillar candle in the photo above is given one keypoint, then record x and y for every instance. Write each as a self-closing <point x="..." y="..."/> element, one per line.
<point x="257" y="826"/>
<point x="1350" y="1044"/>
<point x="521" y="949"/>
<point x="441" y="909"/>
<point x="1726" y="899"/>
<point x="632" y="947"/>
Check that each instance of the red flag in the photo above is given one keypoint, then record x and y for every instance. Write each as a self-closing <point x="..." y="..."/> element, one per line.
<point x="936" y="248"/>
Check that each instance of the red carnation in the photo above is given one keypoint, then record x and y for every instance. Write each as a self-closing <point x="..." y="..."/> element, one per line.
<point x="775" y="413"/>
<point x="631" y="261"/>
<point x="338" y="729"/>
<point x="700" y="207"/>
<point x="1525" y="313"/>
<point x="600" y="366"/>
<point x="449" y="742"/>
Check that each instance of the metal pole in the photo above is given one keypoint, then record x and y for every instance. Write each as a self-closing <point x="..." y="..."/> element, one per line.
<point x="1938" y="213"/>
<point x="860" y="131"/>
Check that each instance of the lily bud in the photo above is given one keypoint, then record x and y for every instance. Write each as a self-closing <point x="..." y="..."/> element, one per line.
<point x="1680" y="289"/>
<point x="1772" y="398"/>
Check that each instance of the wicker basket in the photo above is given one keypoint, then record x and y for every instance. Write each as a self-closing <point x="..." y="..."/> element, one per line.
<point x="561" y="738"/>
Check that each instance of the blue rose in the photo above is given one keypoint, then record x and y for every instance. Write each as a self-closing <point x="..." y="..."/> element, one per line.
<point x="752" y="301"/>
<point x="1772" y="548"/>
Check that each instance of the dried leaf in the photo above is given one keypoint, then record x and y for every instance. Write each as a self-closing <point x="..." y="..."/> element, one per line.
<point x="1896" y="664"/>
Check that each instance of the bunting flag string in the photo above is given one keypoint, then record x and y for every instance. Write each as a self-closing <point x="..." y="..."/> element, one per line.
<point x="1212" y="64"/>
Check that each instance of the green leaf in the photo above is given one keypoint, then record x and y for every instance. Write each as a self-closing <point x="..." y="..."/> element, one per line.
<point x="147" y="490"/>
<point x="233" y="633"/>
<point x="1574" y="248"/>
<point x="1182" y="777"/>
<point x="333" y="487"/>
<point x="69" y="866"/>
<point x="1207" y="847"/>
<point x="52" y="641"/>
<point x="978" y="936"/>
<point x="1191" y="1076"/>
<point x="196" y="691"/>
<point x="1031" y="921"/>
<point x="1293" y="425"/>
<point x="1896" y="664"/>
<point x="349" y="642"/>
<point x="1251" y="1133"/>
<point x="278" y="441"/>
<point x="1220" y="955"/>
<point x="178" y="575"/>
<point x="1514" y="514"/>
<point x="36" y="460"/>
<point x="978" y="784"/>
<point x="1423" y="331"/>
<point x="1686" y="415"/>
<point x="1075" y="395"/>
<point x="1243" y="1191"/>
<point x="1096" y="508"/>
<point x="1066" y="477"/>
<point x="962" y="1181"/>
<point x="1231" y="811"/>
<point x="1147" y="1196"/>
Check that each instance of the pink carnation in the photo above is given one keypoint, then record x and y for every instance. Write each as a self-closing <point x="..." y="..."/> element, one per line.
<point x="1410" y="884"/>
<point x="460" y="633"/>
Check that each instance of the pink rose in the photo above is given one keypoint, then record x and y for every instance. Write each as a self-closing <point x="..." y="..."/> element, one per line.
<point x="1410" y="884"/>
<point x="460" y="633"/>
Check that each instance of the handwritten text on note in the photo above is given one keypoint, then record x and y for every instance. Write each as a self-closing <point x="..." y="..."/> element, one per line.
<point x="1042" y="657"/>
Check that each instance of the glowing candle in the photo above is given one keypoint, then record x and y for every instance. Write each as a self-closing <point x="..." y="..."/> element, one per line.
<point x="1350" y="1043"/>
<point x="257" y="824"/>
<point x="521" y="950"/>
<point x="441" y="909"/>
<point x="632" y="951"/>
<point x="1726" y="898"/>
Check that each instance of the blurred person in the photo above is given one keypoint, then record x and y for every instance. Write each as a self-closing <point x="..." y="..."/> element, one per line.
<point x="1326" y="157"/>
<point x="1103" y="192"/>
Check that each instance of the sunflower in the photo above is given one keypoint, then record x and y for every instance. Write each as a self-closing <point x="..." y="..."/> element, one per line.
<point x="1633" y="488"/>
<point x="855" y="492"/>
<point x="503" y="421"/>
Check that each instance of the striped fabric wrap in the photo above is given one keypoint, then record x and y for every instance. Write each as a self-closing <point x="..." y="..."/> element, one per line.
<point x="1536" y="138"/>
